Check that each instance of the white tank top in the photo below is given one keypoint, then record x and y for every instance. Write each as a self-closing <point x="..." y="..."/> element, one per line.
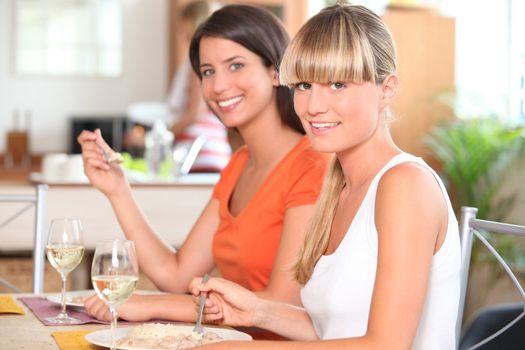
<point x="338" y="295"/>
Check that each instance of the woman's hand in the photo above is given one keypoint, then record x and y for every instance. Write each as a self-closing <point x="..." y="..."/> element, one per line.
<point x="134" y="309"/>
<point x="226" y="303"/>
<point x="108" y="178"/>
<point x="230" y="304"/>
<point x="96" y="308"/>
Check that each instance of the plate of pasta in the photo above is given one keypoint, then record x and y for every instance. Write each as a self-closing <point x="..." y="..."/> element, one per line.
<point x="159" y="336"/>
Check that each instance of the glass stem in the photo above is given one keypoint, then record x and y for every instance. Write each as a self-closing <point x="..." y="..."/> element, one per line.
<point x="63" y="311"/>
<point x="114" y="317"/>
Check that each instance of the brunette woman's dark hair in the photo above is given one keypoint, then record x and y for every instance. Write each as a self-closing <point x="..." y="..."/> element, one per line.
<point x="257" y="30"/>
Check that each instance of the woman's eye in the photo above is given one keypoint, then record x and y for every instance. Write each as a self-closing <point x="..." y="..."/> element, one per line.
<point x="337" y="85"/>
<point x="236" y="66"/>
<point x="207" y="72"/>
<point x="302" y="86"/>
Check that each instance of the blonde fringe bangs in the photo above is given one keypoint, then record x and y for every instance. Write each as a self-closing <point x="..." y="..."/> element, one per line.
<point x="312" y="58"/>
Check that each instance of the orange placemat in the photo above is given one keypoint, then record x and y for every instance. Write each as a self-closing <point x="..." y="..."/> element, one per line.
<point x="73" y="340"/>
<point x="9" y="306"/>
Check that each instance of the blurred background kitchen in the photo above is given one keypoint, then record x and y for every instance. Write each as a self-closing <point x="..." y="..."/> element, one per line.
<point x="66" y="65"/>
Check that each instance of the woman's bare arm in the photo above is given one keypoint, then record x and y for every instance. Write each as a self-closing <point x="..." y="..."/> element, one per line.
<point x="169" y="270"/>
<point x="282" y="285"/>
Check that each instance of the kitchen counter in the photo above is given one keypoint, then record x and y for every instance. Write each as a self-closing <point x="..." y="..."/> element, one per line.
<point x="200" y="179"/>
<point x="171" y="207"/>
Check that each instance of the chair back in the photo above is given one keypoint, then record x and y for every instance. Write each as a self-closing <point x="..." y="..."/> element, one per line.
<point x="38" y="200"/>
<point x="468" y="228"/>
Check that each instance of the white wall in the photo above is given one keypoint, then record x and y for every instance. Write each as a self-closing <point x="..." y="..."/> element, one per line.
<point x="52" y="100"/>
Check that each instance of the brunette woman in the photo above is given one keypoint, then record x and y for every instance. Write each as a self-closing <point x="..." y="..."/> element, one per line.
<point x="251" y="228"/>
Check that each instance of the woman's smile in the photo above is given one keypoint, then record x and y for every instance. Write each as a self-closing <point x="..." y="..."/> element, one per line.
<point x="229" y="104"/>
<point x="320" y="128"/>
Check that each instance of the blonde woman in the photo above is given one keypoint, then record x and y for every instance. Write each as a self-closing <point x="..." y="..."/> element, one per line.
<point x="379" y="266"/>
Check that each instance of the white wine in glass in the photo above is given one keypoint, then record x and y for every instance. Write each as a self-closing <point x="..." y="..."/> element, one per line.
<point x="64" y="250"/>
<point x="114" y="275"/>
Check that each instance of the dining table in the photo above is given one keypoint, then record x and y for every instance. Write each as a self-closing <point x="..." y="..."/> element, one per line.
<point x="26" y="331"/>
<point x="21" y="326"/>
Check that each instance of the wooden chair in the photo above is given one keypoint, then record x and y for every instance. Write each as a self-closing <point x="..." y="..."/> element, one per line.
<point x="38" y="200"/>
<point x="496" y="327"/>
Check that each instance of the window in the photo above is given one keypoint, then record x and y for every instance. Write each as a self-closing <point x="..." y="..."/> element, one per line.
<point x="490" y="58"/>
<point x="490" y="53"/>
<point x="517" y="61"/>
<point x="68" y="37"/>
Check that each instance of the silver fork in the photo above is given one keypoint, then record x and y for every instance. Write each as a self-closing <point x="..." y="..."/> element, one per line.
<point x="198" y="326"/>
<point x="111" y="157"/>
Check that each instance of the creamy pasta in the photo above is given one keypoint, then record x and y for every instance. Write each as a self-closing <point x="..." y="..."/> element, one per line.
<point x="165" y="336"/>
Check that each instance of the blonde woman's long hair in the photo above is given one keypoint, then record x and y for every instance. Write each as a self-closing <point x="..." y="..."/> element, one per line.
<point x="343" y="43"/>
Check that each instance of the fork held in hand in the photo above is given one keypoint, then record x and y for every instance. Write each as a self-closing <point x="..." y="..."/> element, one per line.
<point x="198" y="326"/>
<point x="111" y="156"/>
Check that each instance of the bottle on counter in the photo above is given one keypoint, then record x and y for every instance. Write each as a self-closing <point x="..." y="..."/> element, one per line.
<point x="17" y="153"/>
<point x="159" y="148"/>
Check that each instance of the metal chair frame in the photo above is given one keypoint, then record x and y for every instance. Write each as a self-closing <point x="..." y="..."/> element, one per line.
<point x="38" y="200"/>
<point x="468" y="227"/>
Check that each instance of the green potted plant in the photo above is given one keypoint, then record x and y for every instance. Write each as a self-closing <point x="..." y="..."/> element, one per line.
<point x="476" y="155"/>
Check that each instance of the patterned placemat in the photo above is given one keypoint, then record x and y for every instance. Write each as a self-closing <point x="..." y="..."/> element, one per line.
<point x="43" y="308"/>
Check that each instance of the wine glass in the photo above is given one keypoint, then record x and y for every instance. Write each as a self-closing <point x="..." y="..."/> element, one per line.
<point x="64" y="250"/>
<point x="114" y="275"/>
